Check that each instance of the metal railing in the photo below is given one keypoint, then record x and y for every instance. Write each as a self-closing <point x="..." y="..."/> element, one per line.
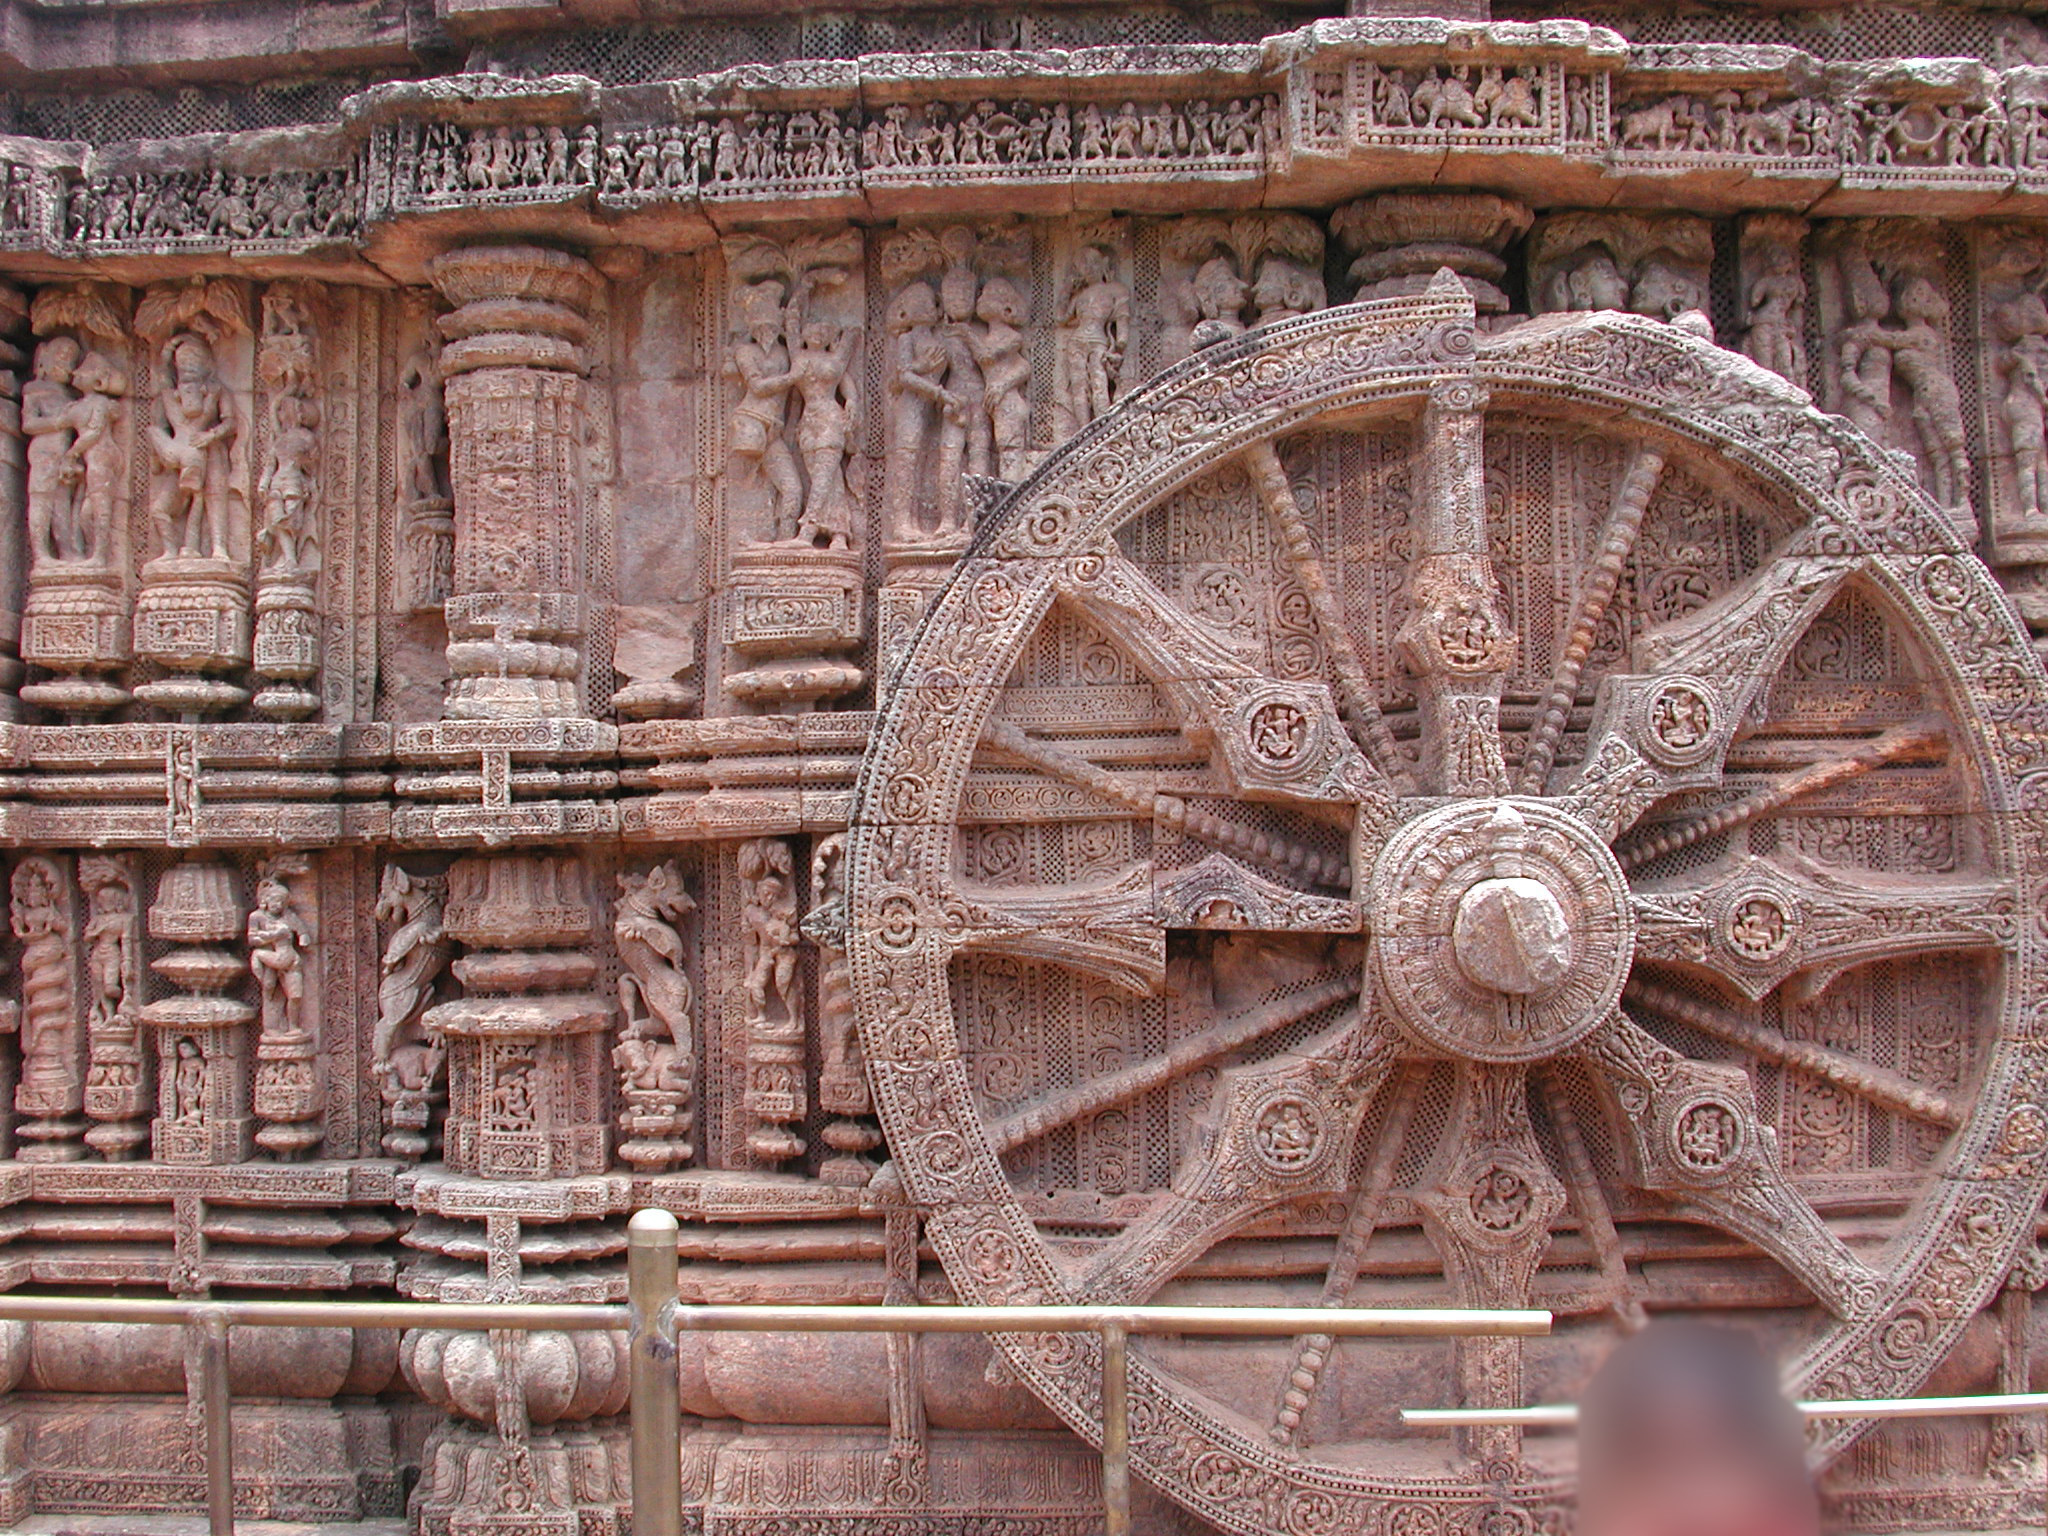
<point x="653" y="1317"/>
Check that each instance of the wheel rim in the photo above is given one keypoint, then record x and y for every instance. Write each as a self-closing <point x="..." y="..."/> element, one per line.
<point x="1534" y="944"/>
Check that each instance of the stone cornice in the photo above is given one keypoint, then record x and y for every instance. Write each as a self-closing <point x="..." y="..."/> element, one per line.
<point x="1557" y="113"/>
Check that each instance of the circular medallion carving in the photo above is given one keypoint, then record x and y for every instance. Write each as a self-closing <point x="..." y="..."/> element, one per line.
<point x="1501" y="929"/>
<point x="1758" y="927"/>
<point x="1707" y="1137"/>
<point x="1280" y="734"/>
<point x="1678" y="724"/>
<point x="1288" y="1133"/>
<point x="1501" y="1200"/>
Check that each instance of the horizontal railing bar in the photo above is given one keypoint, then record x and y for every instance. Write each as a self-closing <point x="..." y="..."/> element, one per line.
<point x="1565" y="1415"/>
<point x="516" y="1316"/>
<point x="1283" y="1322"/>
<point x="1345" y="1322"/>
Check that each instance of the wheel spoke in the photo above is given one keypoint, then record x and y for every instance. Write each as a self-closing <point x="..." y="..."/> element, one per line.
<point x="1488" y="1210"/>
<point x="1220" y="893"/>
<point x="1913" y="739"/>
<point x="1766" y="921"/>
<point x="1354" y="689"/>
<point x="1617" y="540"/>
<point x="1271" y="740"/>
<point x="1176" y="649"/>
<point x="1667" y="726"/>
<point x="1312" y="1351"/>
<point x="1456" y="640"/>
<point x="1275" y="853"/>
<point x="1695" y="1139"/>
<point x="1590" y="1201"/>
<point x="1184" y="1056"/>
<point x="1884" y="1088"/>
<point x="1279" y="1130"/>
<point x="1110" y="930"/>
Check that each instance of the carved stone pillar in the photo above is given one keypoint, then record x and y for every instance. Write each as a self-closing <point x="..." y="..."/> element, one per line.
<point x="288" y="512"/>
<point x="524" y="1145"/>
<point x="514" y="367"/>
<point x="202" y="1034"/>
<point x="526" y="1065"/>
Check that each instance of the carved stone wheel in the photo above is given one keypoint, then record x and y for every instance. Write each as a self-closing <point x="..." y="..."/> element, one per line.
<point x="1394" y="814"/>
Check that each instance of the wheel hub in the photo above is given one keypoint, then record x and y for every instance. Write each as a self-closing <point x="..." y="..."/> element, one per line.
<point x="1501" y="929"/>
<point x="1510" y="934"/>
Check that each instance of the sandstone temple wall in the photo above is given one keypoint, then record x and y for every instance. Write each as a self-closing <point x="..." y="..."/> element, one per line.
<point x="1221" y="655"/>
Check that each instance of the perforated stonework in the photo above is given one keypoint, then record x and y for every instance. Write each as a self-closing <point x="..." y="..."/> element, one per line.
<point x="1214" y="655"/>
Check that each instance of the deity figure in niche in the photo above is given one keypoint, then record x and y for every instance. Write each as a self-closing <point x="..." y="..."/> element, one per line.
<point x="192" y="439"/>
<point x="760" y="362"/>
<point x="287" y="537"/>
<point x="49" y="418"/>
<point x="819" y="358"/>
<point x="278" y="938"/>
<point x="1093" y="335"/>
<point x="998" y="344"/>
<point x="917" y="392"/>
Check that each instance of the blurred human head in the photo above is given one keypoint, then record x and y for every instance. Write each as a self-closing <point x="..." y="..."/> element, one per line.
<point x="1684" y="1431"/>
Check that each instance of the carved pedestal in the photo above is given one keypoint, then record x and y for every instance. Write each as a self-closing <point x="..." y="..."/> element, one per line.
<point x="1399" y="241"/>
<point x="286" y="652"/>
<point x="76" y="628"/>
<point x="202" y="1034"/>
<point x="286" y="1098"/>
<point x="192" y="619"/>
<point x="900" y="604"/>
<point x="795" y="611"/>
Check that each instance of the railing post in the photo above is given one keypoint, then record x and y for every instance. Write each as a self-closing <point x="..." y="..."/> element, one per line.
<point x="656" y="1406"/>
<point x="1116" y="1431"/>
<point x="216" y="1412"/>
